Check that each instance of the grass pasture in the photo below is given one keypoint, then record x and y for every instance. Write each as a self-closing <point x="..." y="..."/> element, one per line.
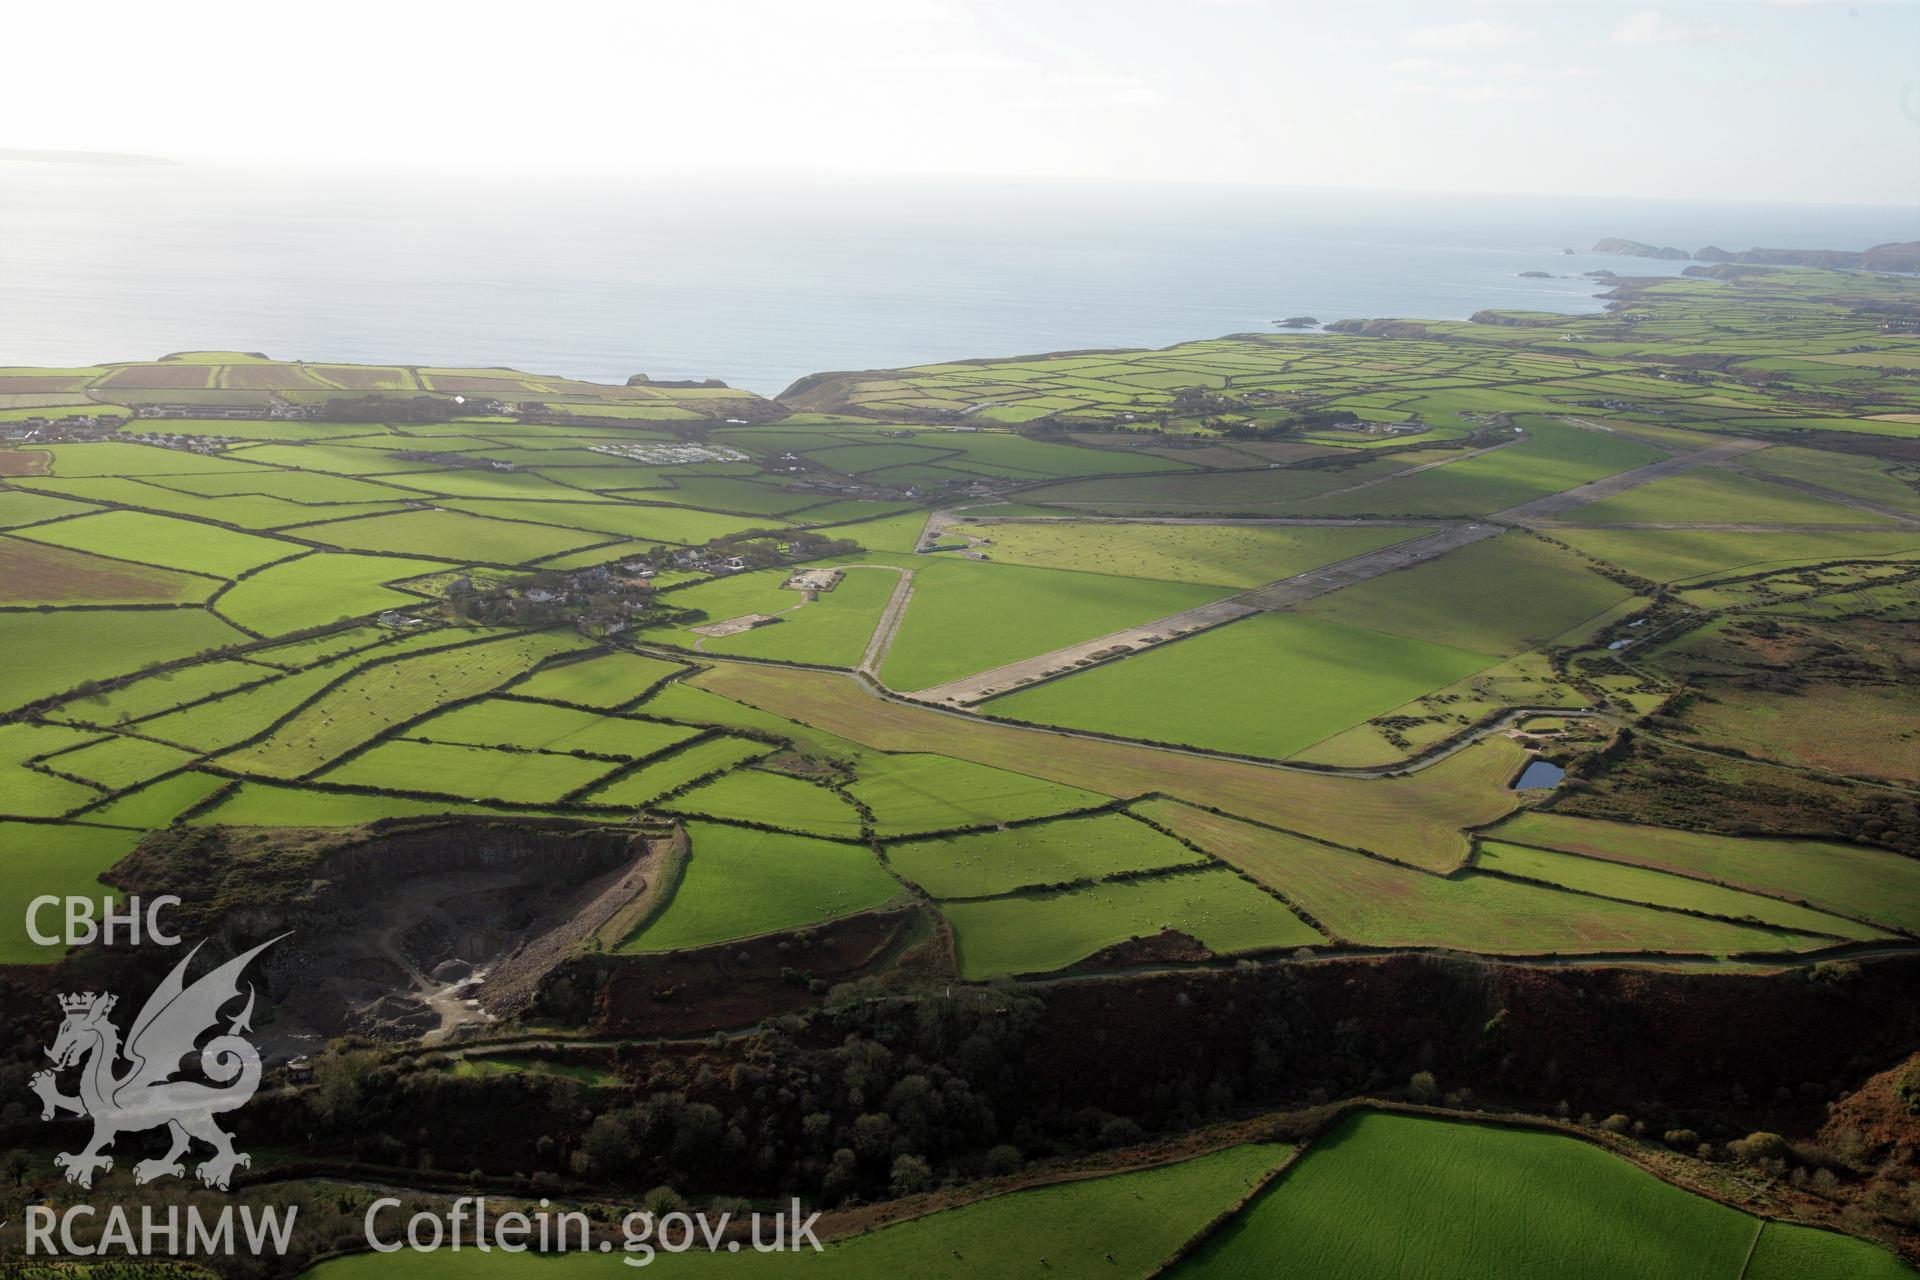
<point x="59" y="860"/>
<point x="1866" y="884"/>
<point x="1045" y="931"/>
<point x="116" y="763"/>
<point x="1417" y="818"/>
<point x="449" y="535"/>
<point x="471" y="773"/>
<point x="32" y="793"/>
<point x="776" y="799"/>
<point x="1373" y="903"/>
<point x="638" y="522"/>
<point x="538" y="726"/>
<point x="320" y="588"/>
<point x="164" y="541"/>
<point x="1677" y="555"/>
<point x="677" y="769"/>
<point x="1215" y="555"/>
<point x="1269" y="685"/>
<point x="387" y="694"/>
<point x="1714" y="494"/>
<point x="981" y="863"/>
<point x="49" y="653"/>
<point x="1499" y="596"/>
<point x="1471" y="1200"/>
<point x="920" y="792"/>
<point x="266" y="804"/>
<point x="1657" y="888"/>
<point x="741" y="882"/>
<point x="968" y="617"/>
<point x="156" y="804"/>
<point x="603" y="683"/>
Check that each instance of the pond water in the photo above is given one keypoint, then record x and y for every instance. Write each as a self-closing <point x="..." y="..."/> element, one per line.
<point x="1539" y="775"/>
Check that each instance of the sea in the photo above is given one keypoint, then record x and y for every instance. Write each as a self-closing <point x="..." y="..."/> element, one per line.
<point x="759" y="281"/>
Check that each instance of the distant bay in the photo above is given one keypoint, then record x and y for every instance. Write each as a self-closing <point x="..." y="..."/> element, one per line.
<point x="762" y="282"/>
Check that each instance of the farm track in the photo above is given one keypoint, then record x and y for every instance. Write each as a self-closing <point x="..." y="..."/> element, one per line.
<point x="888" y="626"/>
<point x="1288" y="592"/>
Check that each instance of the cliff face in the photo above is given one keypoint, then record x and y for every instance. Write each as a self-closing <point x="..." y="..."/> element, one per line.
<point x="1636" y="249"/>
<point x="1897" y="256"/>
<point x="1900" y="256"/>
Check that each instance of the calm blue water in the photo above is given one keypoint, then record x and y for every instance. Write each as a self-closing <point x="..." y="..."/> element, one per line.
<point x="1539" y="775"/>
<point x="760" y="283"/>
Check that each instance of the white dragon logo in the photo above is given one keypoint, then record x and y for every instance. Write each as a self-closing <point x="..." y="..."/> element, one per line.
<point x="146" y="1096"/>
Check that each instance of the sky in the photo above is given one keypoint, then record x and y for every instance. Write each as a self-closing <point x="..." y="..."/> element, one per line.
<point x="1765" y="100"/>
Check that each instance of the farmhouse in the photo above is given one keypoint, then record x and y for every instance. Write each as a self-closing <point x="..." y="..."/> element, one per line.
<point x="813" y="580"/>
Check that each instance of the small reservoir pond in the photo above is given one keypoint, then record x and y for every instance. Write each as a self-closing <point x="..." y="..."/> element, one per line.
<point x="1539" y="775"/>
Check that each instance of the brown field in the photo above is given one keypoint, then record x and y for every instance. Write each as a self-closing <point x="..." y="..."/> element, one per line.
<point x="33" y="573"/>
<point x="23" y="462"/>
<point x="360" y="377"/>
<point x="480" y="386"/>
<point x="162" y="377"/>
<point x="267" y="377"/>
<point x="42" y="386"/>
<point x="1417" y="819"/>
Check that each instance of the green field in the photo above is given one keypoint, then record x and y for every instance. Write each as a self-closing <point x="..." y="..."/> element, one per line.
<point x="1043" y="931"/>
<point x="44" y="859"/>
<point x="1470" y="1201"/>
<point x="450" y="535"/>
<point x="116" y="764"/>
<point x="603" y="683"/>
<point x="677" y="769"/>
<point x="156" y="804"/>
<point x="1376" y="903"/>
<point x="162" y="691"/>
<point x="1676" y="555"/>
<point x="740" y="882"/>
<point x="918" y="792"/>
<point x="1268" y="685"/>
<point x="1723" y="496"/>
<point x="1218" y="555"/>
<point x="1866" y="884"/>
<point x="265" y="804"/>
<point x="473" y="773"/>
<point x="1500" y="597"/>
<point x="387" y="694"/>
<point x="318" y="589"/>
<point x="775" y="799"/>
<point x="162" y="540"/>
<point x="538" y="726"/>
<point x="980" y="863"/>
<point x="968" y="617"/>
<point x="30" y="793"/>
<point x="1637" y="884"/>
<point x="49" y="653"/>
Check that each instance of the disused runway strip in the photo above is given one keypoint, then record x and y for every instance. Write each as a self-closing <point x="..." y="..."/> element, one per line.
<point x="1300" y="588"/>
